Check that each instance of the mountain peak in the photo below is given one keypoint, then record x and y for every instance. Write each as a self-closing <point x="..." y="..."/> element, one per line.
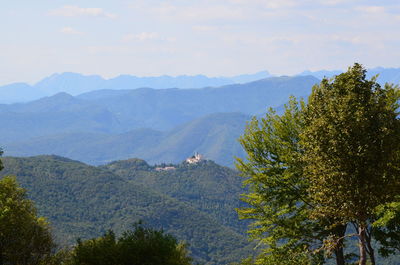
<point x="61" y="96"/>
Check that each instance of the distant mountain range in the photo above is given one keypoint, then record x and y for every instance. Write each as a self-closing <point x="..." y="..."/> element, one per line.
<point x="160" y="125"/>
<point x="74" y="84"/>
<point x="119" y="111"/>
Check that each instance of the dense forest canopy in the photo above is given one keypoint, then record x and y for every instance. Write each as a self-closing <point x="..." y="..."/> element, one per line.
<point x="196" y="203"/>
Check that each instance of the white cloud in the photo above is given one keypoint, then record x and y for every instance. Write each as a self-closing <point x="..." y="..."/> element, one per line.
<point x="198" y="12"/>
<point x="71" y="31"/>
<point x="334" y="2"/>
<point x="147" y="36"/>
<point x="75" y="11"/>
<point x="204" y="28"/>
<point x="371" y="9"/>
<point x="289" y="4"/>
<point x="271" y="4"/>
<point x="144" y="36"/>
<point x="350" y="39"/>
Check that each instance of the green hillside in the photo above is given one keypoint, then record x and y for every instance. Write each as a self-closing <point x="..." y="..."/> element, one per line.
<point x="84" y="201"/>
<point x="206" y="186"/>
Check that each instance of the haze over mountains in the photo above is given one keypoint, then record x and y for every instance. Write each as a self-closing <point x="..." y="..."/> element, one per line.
<point x="75" y="83"/>
<point x="159" y="124"/>
<point x="214" y="135"/>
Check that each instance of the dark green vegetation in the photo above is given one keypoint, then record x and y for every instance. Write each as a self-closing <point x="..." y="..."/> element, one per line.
<point x="206" y="186"/>
<point x="25" y="239"/>
<point x="352" y="152"/>
<point x="325" y="172"/>
<point x="135" y="247"/>
<point x="85" y="201"/>
<point x="95" y="127"/>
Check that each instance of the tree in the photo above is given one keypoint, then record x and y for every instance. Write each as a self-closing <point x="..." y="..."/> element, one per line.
<point x="135" y="247"/>
<point x="351" y="140"/>
<point x="387" y="228"/>
<point x="277" y="194"/>
<point x="323" y="167"/>
<point x="25" y="239"/>
<point x="1" y="163"/>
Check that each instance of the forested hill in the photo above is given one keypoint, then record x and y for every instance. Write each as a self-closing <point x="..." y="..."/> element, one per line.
<point x="206" y="186"/>
<point x="192" y="201"/>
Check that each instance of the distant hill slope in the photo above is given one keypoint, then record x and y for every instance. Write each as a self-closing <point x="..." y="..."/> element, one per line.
<point x="214" y="135"/>
<point x="61" y="113"/>
<point x="19" y="92"/>
<point x="167" y="108"/>
<point x="74" y="84"/>
<point x="206" y="186"/>
<point x="158" y="125"/>
<point x="84" y="201"/>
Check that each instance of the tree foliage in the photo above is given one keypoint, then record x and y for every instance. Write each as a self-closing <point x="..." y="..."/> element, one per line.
<point x="25" y="239"/>
<point x="387" y="227"/>
<point x="352" y="143"/>
<point x="352" y="150"/>
<point x="322" y="166"/>
<point x="277" y="188"/>
<point x="140" y="246"/>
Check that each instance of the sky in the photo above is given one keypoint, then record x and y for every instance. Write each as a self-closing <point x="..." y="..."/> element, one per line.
<point x="210" y="37"/>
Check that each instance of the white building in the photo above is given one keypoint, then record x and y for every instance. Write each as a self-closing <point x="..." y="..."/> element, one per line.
<point x="195" y="158"/>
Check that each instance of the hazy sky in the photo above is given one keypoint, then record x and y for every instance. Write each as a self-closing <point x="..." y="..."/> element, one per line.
<point x="212" y="37"/>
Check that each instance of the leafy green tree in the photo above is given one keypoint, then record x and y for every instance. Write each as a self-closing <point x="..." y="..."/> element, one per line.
<point x="140" y="246"/>
<point x="387" y="228"/>
<point x="25" y="239"/>
<point x="322" y="168"/>
<point x="352" y="151"/>
<point x="278" y="198"/>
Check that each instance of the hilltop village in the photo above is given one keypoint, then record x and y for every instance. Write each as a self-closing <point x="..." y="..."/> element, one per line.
<point x="194" y="159"/>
